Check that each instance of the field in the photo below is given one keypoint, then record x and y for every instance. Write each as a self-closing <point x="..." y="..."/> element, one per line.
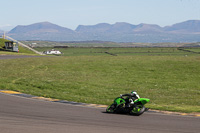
<point x="168" y="76"/>
<point x="106" y="44"/>
<point x="77" y="51"/>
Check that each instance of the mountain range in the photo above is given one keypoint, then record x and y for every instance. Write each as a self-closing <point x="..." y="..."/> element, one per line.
<point x="187" y="31"/>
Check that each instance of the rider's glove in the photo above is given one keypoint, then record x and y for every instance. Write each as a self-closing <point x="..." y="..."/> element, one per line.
<point x="120" y="95"/>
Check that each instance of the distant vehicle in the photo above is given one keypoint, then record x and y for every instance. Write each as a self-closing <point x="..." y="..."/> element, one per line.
<point x="11" y="46"/>
<point x="52" y="52"/>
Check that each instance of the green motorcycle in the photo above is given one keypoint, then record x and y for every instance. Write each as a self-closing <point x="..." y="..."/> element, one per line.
<point x="120" y="106"/>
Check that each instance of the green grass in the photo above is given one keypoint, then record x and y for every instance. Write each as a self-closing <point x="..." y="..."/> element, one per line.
<point x="106" y="44"/>
<point x="2" y="43"/>
<point x="25" y="51"/>
<point x="22" y="51"/>
<point x="119" y="51"/>
<point x="197" y="50"/>
<point x="170" y="81"/>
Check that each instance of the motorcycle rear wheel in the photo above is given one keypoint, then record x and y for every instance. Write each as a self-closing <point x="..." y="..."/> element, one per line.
<point x="110" y="109"/>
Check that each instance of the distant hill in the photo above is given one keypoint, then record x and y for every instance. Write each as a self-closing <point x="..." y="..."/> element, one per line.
<point x="190" y="26"/>
<point x="148" y="28"/>
<point x="119" y="27"/>
<point x="40" y="31"/>
<point x="44" y="27"/>
<point x="99" y="28"/>
<point x="188" y="31"/>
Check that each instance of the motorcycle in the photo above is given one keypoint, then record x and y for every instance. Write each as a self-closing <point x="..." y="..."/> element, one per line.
<point x="134" y="108"/>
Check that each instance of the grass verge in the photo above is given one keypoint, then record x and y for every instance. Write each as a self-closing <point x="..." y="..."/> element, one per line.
<point x="171" y="82"/>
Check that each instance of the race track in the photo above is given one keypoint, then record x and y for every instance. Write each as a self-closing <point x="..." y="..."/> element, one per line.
<point x="25" y="115"/>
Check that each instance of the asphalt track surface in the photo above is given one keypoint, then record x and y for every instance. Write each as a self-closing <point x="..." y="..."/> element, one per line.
<point x="25" y="115"/>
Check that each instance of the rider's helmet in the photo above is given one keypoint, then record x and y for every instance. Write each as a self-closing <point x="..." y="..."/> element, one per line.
<point x="134" y="92"/>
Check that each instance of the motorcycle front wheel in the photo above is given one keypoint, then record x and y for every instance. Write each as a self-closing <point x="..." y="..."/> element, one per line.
<point x="138" y="110"/>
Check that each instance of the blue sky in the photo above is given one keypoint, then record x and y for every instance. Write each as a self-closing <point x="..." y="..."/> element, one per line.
<point x="71" y="13"/>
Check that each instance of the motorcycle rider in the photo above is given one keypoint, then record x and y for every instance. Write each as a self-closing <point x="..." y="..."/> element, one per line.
<point x="131" y="97"/>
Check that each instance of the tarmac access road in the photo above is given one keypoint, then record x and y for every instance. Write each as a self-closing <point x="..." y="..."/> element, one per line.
<point x="26" y="115"/>
<point x="17" y="56"/>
